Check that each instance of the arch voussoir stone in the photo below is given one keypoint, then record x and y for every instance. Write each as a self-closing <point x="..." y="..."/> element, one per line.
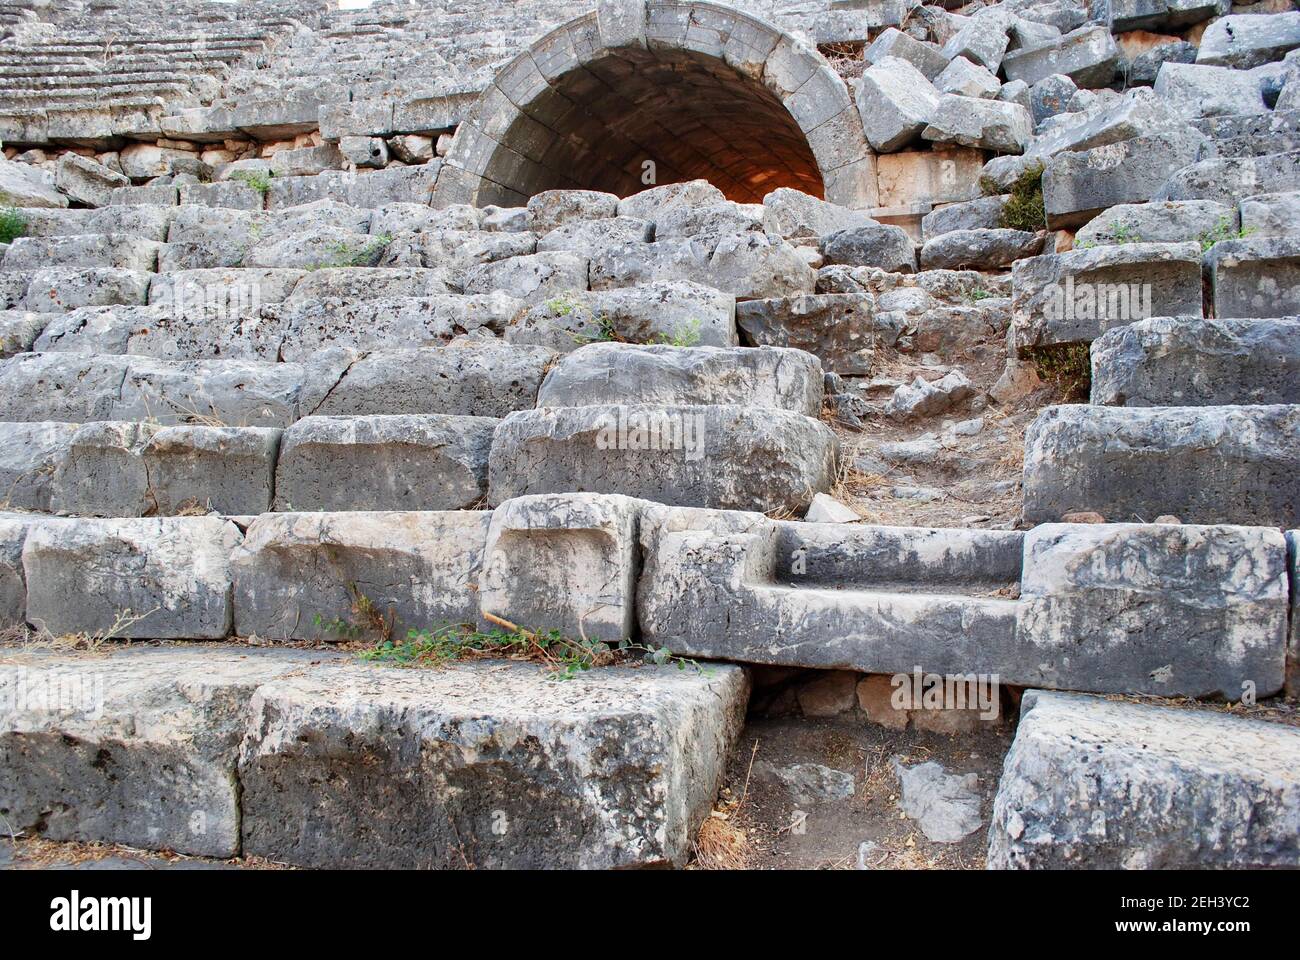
<point x="653" y="91"/>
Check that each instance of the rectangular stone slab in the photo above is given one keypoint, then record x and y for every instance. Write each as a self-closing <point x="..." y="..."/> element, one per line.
<point x="486" y="764"/>
<point x="718" y="456"/>
<point x="1101" y="784"/>
<point x="1074" y="297"/>
<point x="431" y="462"/>
<point x="1171" y="608"/>
<point x="604" y="373"/>
<point x="138" y="747"/>
<point x="173" y="572"/>
<point x="1218" y="464"/>
<point x="1185" y="361"/>
<point x="297" y="575"/>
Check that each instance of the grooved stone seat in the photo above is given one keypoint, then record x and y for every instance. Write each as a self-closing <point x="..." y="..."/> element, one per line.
<point x="1156" y="609"/>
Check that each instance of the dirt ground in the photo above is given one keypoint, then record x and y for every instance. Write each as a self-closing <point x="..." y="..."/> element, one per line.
<point x="971" y="478"/>
<point x="765" y="829"/>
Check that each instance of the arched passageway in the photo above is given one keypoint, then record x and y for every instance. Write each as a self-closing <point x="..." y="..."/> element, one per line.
<point x="639" y="93"/>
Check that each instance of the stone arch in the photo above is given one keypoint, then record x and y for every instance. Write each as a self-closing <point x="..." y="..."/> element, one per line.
<point x="700" y="89"/>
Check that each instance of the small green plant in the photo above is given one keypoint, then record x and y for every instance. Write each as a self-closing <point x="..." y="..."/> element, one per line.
<point x="259" y="180"/>
<point x="978" y="294"/>
<point x="1024" y="208"/>
<point x="563" y="656"/>
<point x="364" y="620"/>
<point x="563" y="305"/>
<point x="12" y="224"/>
<point x="344" y="254"/>
<point x="1222" y="231"/>
<point x="605" y="332"/>
<point x="684" y="335"/>
<point x="1069" y="365"/>
<point x="1125" y="232"/>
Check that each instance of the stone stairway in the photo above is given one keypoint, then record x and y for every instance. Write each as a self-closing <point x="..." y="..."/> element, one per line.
<point x="247" y="404"/>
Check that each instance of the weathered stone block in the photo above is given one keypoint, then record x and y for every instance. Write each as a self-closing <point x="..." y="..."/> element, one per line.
<point x="54" y="386"/>
<point x="721" y="456"/>
<point x="531" y="278"/>
<point x="985" y="124"/>
<point x="1269" y="214"/>
<point x="748" y="265"/>
<point x="839" y="329"/>
<point x="941" y="175"/>
<point x="1174" y="788"/>
<point x="988" y="249"/>
<point x="484" y="378"/>
<point x="796" y="215"/>
<point x="102" y="473"/>
<point x="1168" y="221"/>
<point x="1166" y="609"/>
<point x="297" y="576"/>
<point x="1201" y="464"/>
<point x="564" y="561"/>
<point x="895" y="101"/>
<point x="30" y="453"/>
<point x="1088" y="56"/>
<point x="228" y="470"/>
<point x="663" y="312"/>
<point x="431" y="462"/>
<point x="1226" y="180"/>
<point x="1079" y="185"/>
<point x="85" y="576"/>
<point x="1185" y="362"/>
<point x="1074" y="297"/>
<point x="875" y="245"/>
<point x="1256" y="276"/>
<point x="1195" y="90"/>
<point x="86" y="181"/>
<point x="616" y="768"/>
<point x="1248" y="41"/>
<point x="137" y="748"/>
<point x="554" y="208"/>
<point x="612" y="373"/>
<point x="55" y="289"/>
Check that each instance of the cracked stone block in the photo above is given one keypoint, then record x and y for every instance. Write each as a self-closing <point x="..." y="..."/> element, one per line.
<point x="362" y="323"/>
<point x="590" y="238"/>
<point x="1269" y="214"/>
<point x="297" y="576"/>
<point x="1079" y="185"/>
<point x="982" y="39"/>
<point x="610" y="373"/>
<point x="19" y="329"/>
<point x="724" y="456"/>
<point x="234" y="393"/>
<point x="531" y="278"/>
<point x="616" y="768"/>
<point x="1227" y="179"/>
<point x="748" y="265"/>
<point x="1088" y="56"/>
<point x="228" y="470"/>
<point x="794" y="214"/>
<point x="1174" y="787"/>
<point x="1076" y="296"/>
<point x="173" y="573"/>
<point x="408" y="462"/>
<point x="1249" y="41"/>
<point x="55" y="289"/>
<point x="984" y="124"/>
<point x="661" y="312"/>
<point x="30" y="454"/>
<point x="1186" y="362"/>
<point x="138" y="747"/>
<point x="478" y="378"/>
<point x="26" y="185"/>
<point x="1168" y="221"/>
<point x="894" y="43"/>
<point x="874" y="245"/>
<point x="1200" y="610"/>
<point x="1255" y="276"/>
<point x="1218" y="464"/>
<point x="895" y="101"/>
<point x="102" y="473"/>
<point x="564" y="561"/>
<point x="57" y="386"/>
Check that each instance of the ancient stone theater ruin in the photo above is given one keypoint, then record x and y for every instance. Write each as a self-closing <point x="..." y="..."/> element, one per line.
<point x="613" y="433"/>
